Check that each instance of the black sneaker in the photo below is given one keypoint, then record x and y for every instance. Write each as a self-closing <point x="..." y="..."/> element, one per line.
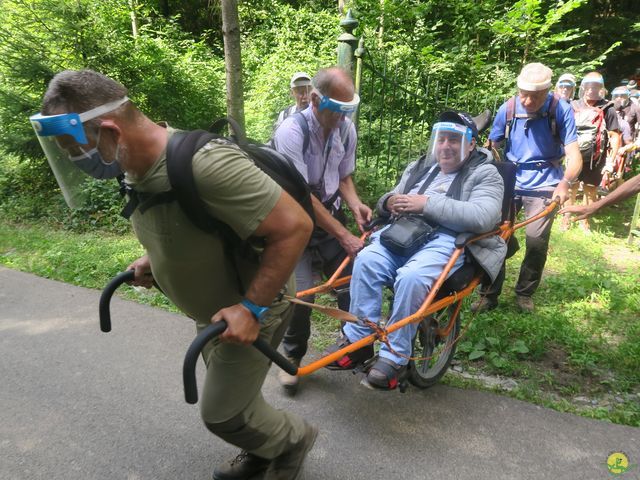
<point x="287" y="465"/>
<point x="243" y="467"/>
<point x="350" y="360"/>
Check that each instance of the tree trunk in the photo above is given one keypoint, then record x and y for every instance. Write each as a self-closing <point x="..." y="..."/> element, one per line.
<point x="134" y="18"/>
<point x="233" y="61"/>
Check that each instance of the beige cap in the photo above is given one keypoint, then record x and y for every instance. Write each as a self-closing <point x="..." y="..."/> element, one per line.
<point x="300" y="79"/>
<point x="568" y="78"/>
<point x="535" y="77"/>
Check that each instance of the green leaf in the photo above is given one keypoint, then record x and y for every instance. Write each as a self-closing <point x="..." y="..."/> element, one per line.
<point x="476" y="354"/>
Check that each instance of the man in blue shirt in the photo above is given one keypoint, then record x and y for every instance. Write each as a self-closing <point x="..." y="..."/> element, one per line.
<point x="537" y="131"/>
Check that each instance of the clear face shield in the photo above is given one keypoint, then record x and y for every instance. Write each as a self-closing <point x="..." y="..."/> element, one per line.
<point x="620" y="98"/>
<point x="450" y="145"/>
<point x="565" y="89"/>
<point x="592" y="88"/>
<point x="69" y="152"/>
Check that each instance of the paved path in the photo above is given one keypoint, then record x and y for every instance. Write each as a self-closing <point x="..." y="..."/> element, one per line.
<point x="76" y="403"/>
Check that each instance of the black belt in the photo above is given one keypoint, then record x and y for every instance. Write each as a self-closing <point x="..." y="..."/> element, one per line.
<point x="534" y="165"/>
<point x="534" y="193"/>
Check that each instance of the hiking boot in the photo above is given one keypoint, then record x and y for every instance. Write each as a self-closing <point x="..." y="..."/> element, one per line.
<point x="350" y="360"/>
<point x="243" y="467"/>
<point x="290" y="382"/>
<point x="287" y="465"/>
<point x="385" y="374"/>
<point x="484" y="304"/>
<point x="525" y="304"/>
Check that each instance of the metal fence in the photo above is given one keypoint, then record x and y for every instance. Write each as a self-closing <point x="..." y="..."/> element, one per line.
<point x="398" y="106"/>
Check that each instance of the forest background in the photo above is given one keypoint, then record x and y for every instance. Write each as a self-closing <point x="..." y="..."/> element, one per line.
<point x="581" y="346"/>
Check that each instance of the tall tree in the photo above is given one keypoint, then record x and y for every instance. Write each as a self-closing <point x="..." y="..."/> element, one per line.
<point x="233" y="61"/>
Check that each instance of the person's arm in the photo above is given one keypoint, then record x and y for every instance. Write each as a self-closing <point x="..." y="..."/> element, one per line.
<point x="572" y="170"/>
<point x="351" y="244"/>
<point x="361" y="212"/>
<point x="627" y="189"/>
<point x="286" y="230"/>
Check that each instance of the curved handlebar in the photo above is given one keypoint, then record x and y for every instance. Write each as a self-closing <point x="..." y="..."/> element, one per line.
<point x="105" y="298"/>
<point x="212" y="331"/>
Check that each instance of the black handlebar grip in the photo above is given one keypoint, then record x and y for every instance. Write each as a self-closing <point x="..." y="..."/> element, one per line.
<point x="105" y="298"/>
<point x="376" y="222"/>
<point x="212" y="331"/>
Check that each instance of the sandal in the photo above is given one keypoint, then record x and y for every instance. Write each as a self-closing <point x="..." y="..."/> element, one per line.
<point x="350" y="360"/>
<point x="386" y="374"/>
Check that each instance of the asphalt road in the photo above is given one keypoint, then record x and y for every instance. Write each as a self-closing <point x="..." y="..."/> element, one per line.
<point x="76" y="403"/>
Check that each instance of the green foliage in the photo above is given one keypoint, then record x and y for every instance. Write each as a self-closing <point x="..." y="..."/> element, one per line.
<point x="279" y="41"/>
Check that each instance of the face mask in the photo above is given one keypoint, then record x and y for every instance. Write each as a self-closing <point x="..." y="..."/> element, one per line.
<point x="93" y="164"/>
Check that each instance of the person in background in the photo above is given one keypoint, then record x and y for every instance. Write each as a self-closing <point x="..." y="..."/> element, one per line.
<point x="321" y="142"/>
<point x="300" y="85"/>
<point x="537" y="131"/>
<point x="566" y="87"/>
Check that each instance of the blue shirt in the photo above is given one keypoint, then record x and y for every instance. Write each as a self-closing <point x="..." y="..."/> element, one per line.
<point x="535" y="143"/>
<point x="326" y="161"/>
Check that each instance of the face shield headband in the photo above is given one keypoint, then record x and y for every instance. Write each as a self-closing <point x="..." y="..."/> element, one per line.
<point x="346" y="108"/>
<point x="450" y="144"/>
<point x="71" y="123"/>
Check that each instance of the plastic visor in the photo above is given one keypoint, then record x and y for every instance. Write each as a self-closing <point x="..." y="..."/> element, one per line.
<point x="69" y="177"/>
<point x="346" y="108"/>
<point x="449" y="144"/>
<point x="591" y="88"/>
<point x="54" y="132"/>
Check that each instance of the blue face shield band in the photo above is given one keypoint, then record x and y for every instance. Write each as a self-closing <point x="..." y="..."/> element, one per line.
<point x="71" y="123"/>
<point x="328" y="103"/>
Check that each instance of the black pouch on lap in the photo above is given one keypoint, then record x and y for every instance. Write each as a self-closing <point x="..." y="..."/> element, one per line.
<point x="407" y="234"/>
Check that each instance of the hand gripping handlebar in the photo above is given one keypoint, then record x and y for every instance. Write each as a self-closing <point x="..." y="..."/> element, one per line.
<point x="212" y="331"/>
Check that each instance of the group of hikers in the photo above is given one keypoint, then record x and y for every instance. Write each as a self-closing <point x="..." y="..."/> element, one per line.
<point x="88" y="125"/>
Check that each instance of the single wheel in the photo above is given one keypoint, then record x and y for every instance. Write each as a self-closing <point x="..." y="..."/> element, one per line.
<point x="437" y="350"/>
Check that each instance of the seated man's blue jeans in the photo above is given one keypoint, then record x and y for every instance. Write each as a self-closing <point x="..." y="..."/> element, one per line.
<point x="411" y="277"/>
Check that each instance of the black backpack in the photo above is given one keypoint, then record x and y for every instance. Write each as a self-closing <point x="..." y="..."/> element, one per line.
<point x="180" y="151"/>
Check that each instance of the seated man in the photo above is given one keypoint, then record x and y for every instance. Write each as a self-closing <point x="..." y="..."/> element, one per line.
<point x="456" y="188"/>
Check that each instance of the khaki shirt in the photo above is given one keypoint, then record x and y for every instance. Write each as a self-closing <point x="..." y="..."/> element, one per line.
<point x="190" y="265"/>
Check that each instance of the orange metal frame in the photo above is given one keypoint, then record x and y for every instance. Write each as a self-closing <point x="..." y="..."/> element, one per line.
<point x="427" y="308"/>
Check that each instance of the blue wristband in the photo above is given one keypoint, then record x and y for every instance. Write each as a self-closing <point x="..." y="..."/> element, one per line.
<point x="259" y="313"/>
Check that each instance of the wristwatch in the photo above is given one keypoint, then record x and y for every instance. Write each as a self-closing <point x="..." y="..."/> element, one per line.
<point x="258" y="312"/>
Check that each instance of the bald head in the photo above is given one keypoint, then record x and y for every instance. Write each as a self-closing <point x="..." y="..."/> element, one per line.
<point x="334" y="82"/>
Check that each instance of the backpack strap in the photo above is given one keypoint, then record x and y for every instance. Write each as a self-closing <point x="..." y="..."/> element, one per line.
<point x="304" y="126"/>
<point x="551" y="113"/>
<point x="180" y="150"/>
<point x="509" y="119"/>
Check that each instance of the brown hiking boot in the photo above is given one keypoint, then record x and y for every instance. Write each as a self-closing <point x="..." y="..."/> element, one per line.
<point x="290" y="382"/>
<point x="243" y="467"/>
<point x="525" y="304"/>
<point x="287" y="465"/>
<point x="484" y="304"/>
